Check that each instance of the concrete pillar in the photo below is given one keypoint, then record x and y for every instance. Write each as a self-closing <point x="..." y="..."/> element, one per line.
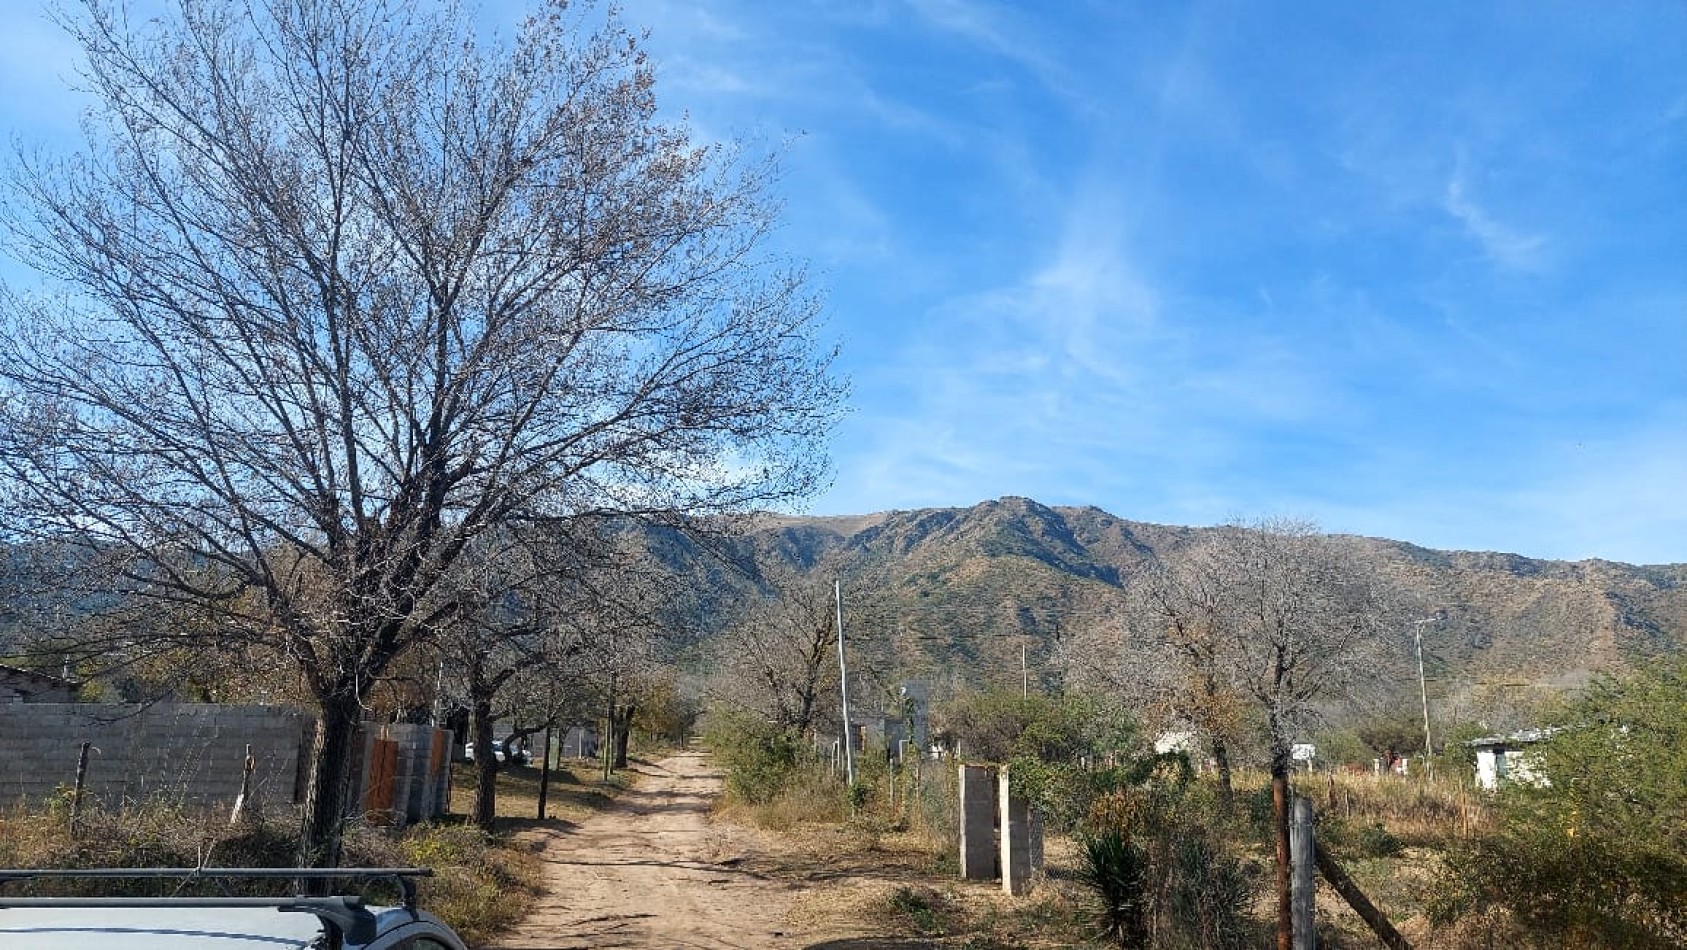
<point x="978" y="824"/>
<point x="1015" y="838"/>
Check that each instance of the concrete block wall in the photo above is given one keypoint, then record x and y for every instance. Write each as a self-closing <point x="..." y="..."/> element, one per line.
<point x="581" y="742"/>
<point x="424" y="771"/>
<point x="422" y="782"/>
<point x="978" y="823"/>
<point x="190" y="753"/>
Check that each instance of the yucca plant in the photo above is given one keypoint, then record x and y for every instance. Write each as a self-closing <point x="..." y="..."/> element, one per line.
<point x="1116" y="869"/>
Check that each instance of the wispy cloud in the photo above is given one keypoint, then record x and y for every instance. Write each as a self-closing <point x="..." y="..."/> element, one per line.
<point x="1014" y="39"/>
<point x="1505" y="244"/>
<point x="1616" y="497"/>
<point x="1080" y="380"/>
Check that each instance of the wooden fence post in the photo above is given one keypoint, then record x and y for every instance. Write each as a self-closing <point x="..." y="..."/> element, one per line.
<point x="1302" y="884"/>
<point x="247" y="765"/>
<point x="81" y="782"/>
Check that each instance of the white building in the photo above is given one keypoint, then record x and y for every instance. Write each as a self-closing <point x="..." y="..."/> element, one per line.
<point x="1507" y="758"/>
<point x="1181" y="740"/>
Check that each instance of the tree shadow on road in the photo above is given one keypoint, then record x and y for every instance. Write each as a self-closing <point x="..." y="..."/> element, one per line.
<point x="875" y="943"/>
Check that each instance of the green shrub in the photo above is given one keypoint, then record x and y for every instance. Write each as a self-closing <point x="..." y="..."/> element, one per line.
<point x="759" y="759"/>
<point x="1368" y="840"/>
<point x="1060" y="793"/>
<point x="1001" y="725"/>
<point x="1207" y="890"/>
<point x="1375" y="841"/>
<point x="1343" y="747"/>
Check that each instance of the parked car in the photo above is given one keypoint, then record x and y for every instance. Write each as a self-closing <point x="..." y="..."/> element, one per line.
<point x="342" y="922"/>
<point x="523" y="755"/>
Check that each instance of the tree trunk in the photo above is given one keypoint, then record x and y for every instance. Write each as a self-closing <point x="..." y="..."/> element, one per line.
<point x="332" y="780"/>
<point x="623" y="730"/>
<point x="1280" y="831"/>
<point x="1221" y="759"/>
<point x="485" y="765"/>
<point x="545" y="771"/>
<point x="609" y="731"/>
<point x="804" y="723"/>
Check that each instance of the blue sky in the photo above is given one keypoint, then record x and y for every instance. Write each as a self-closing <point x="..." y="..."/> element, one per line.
<point x="1416" y="271"/>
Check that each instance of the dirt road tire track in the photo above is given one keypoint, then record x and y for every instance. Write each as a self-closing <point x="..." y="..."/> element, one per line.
<point x="654" y="871"/>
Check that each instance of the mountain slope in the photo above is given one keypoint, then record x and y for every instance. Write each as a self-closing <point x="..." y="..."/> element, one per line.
<point x="960" y="591"/>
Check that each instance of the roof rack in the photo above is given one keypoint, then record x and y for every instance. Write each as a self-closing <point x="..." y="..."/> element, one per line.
<point x="346" y="917"/>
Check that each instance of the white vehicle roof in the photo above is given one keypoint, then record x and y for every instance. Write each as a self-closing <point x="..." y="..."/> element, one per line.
<point x="215" y="923"/>
<point x="156" y="928"/>
<point x="193" y="928"/>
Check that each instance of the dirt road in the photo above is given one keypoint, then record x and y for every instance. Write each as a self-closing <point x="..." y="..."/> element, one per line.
<point x="654" y="872"/>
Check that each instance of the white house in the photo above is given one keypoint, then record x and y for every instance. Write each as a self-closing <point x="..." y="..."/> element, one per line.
<point x="1507" y="758"/>
<point x="1181" y="740"/>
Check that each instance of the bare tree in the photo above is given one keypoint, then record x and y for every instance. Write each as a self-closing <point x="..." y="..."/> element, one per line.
<point x="1306" y="619"/>
<point x="530" y="609"/>
<point x="778" y="660"/>
<point x="1271" y="621"/>
<point x="1179" y="651"/>
<point x="339" y="288"/>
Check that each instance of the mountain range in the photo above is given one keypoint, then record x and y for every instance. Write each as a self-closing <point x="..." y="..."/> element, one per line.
<point x="988" y="594"/>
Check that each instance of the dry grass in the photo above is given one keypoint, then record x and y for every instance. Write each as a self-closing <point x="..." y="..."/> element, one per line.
<point x="576" y="790"/>
<point x="483" y="882"/>
<point x="893" y="885"/>
<point x="1423" y="815"/>
<point x="892" y="865"/>
<point x="1420" y="811"/>
<point x="811" y="797"/>
<point x="889" y="869"/>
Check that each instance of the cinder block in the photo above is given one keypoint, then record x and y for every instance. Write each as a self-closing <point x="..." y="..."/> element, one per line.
<point x="978" y="824"/>
<point x="1015" y="838"/>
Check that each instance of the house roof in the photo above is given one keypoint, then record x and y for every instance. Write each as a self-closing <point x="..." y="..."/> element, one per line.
<point x="46" y="680"/>
<point x="1520" y="737"/>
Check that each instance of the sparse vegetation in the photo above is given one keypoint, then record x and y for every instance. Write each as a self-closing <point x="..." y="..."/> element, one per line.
<point x="925" y="911"/>
<point x="1594" y="852"/>
<point x="481" y="883"/>
<point x="1168" y="835"/>
<point x="761" y="760"/>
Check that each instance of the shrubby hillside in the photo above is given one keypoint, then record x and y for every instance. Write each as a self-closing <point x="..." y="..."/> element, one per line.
<point x="958" y="592"/>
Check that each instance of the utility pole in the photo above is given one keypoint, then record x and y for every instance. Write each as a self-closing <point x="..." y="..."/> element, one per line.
<point x="843" y="687"/>
<point x="1024" y="675"/>
<point x="1423" y="690"/>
